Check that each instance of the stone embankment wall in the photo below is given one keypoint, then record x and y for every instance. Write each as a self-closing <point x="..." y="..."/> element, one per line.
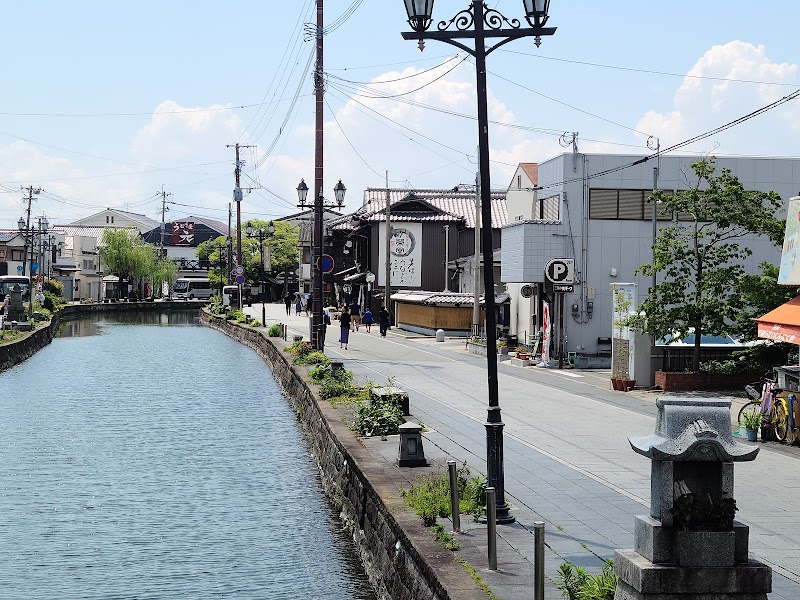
<point x="400" y="556"/>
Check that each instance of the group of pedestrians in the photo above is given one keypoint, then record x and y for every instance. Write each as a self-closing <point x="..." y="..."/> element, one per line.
<point x="299" y="304"/>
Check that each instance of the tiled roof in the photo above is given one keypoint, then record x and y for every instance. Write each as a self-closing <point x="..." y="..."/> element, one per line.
<point x="218" y="226"/>
<point x="456" y="204"/>
<point x="93" y="231"/>
<point x="532" y="171"/>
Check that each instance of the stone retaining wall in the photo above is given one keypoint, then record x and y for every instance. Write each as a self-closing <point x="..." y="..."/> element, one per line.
<point x="400" y="556"/>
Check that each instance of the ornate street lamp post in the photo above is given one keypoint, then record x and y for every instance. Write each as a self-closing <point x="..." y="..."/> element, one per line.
<point x="479" y="23"/>
<point x="260" y="233"/>
<point x="317" y="247"/>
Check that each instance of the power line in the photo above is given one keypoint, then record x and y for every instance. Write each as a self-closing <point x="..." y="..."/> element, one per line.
<point x="394" y="64"/>
<point x="343" y="17"/>
<point x="417" y="74"/>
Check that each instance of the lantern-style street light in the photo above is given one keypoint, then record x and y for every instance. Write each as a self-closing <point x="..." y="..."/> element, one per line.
<point x="260" y="233"/>
<point x="479" y="23"/>
<point x="317" y="246"/>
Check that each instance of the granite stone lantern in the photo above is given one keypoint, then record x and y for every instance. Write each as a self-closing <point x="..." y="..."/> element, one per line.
<point x="16" y="310"/>
<point x="410" y="453"/>
<point x="690" y="547"/>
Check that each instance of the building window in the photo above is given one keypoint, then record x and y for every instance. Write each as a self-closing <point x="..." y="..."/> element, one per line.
<point x="519" y="182"/>
<point x="112" y="218"/>
<point x="17" y="255"/>
<point x="623" y="205"/>
<point x="106" y="219"/>
<point x="549" y="208"/>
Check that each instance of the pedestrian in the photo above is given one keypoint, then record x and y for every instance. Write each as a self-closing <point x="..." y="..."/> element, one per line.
<point x="383" y="320"/>
<point x="366" y="318"/>
<point x="344" y="328"/>
<point x="323" y="330"/>
<point x="355" y="314"/>
<point x="309" y="304"/>
<point x="298" y="304"/>
<point x="287" y="300"/>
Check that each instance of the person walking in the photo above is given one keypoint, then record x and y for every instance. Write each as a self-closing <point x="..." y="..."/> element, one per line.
<point x="344" y="328"/>
<point x="326" y="320"/>
<point x="366" y="319"/>
<point x="383" y="320"/>
<point x="287" y="300"/>
<point x="355" y="314"/>
<point x="298" y="305"/>
<point x="309" y="304"/>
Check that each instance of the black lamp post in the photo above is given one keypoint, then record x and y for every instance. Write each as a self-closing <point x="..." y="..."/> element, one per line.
<point x="478" y="23"/>
<point x="260" y="233"/>
<point x="317" y="252"/>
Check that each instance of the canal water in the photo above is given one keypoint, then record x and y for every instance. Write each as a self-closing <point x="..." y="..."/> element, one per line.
<point x="150" y="457"/>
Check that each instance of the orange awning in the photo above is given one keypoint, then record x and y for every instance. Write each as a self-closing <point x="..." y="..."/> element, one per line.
<point x="781" y="324"/>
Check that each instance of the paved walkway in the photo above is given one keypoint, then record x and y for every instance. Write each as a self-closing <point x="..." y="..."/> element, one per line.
<point x="567" y="459"/>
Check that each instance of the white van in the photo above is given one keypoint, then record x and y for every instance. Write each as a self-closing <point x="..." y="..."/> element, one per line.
<point x="230" y="296"/>
<point x="195" y="288"/>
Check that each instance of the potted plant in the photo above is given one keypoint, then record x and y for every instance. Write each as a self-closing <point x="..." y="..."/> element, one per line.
<point x="523" y="353"/>
<point x="620" y="345"/>
<point x="502" y="347"/>
<point x="752" y="423"/>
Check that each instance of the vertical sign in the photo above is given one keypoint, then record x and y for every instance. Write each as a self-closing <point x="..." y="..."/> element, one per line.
<point x="405" y="252"/>
<point x="545" y="335"/>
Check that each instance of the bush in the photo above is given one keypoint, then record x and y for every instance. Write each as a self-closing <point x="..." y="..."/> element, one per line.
<point x="383" y="418"/>
<point x="576" y="583"/>
<point x="430" y="495"/>
<point x="275" y="330"/>
<point x="340" y="384"/>
<point x="255" y="323"/>
<point x="319" y="373"/>
<point x="236" y="315"/>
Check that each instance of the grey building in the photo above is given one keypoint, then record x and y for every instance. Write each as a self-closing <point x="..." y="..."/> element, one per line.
<point x="605" y="225"/>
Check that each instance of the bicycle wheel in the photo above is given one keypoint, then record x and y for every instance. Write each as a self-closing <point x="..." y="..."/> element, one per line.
<point x="752" y="405"/>
<point x="780" y="421"/>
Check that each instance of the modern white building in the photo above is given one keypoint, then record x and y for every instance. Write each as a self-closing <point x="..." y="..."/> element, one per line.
<point x="605" y="224"/>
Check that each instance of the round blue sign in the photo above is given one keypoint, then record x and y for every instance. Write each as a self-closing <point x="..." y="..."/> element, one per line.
<point x="325" y="263"/>
<point x="19" y="268"/>
<point x="240" y="279"/>
<point x="34" y="267"/>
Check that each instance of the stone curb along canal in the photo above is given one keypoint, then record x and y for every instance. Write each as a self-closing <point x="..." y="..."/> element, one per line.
<point x="400" y="556"/>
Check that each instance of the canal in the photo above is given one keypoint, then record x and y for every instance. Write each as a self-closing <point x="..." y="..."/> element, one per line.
<point x="145" y="456"/>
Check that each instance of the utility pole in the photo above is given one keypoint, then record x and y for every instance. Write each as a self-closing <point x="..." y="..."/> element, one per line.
<point x="446" y="258"/>
<point x="237" y="197"/>
<point x="164" y="209"/>
<point x="388" y="291"/>
<point x="31" y="192"/>
<point x="317" y="245"/>
<point x="476" y="306"/>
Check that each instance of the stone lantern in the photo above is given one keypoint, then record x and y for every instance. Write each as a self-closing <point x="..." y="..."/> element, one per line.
<point x="689" y="546"/>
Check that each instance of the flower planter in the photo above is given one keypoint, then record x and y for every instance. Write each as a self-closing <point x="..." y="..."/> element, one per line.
<point x="752" y="435"/>
<point x="669" y="381"/>
<point x="616" y="384"/>
<point x="627" y="384"/>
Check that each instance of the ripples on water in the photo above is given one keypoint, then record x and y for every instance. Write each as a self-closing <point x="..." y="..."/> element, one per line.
<point x="160" y="462"/>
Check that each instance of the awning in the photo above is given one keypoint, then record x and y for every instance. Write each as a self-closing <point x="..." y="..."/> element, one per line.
<point x="64" y="268"/>
<point x="781" y="324"/>
<point x="498" y="299"/>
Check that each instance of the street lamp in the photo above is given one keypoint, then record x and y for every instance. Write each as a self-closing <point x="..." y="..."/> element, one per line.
<point x="259" y="233"/>
<point x="478" y="23"/>
<point x="317" y="252"/>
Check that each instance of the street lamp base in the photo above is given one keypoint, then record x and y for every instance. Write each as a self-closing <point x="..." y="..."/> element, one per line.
<point x="503" y="517"/>
<point x="494" y="464"/>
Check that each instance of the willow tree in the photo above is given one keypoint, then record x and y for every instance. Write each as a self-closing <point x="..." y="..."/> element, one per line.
<point x="126" y="255"/>
<point x="699" y="257"/>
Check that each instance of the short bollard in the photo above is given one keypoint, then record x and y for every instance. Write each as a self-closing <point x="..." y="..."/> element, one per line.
<point x="538" y="560"/>
<point x="285" y="329"/>
<point x="440" y="335"/>
<point x="336" y="366"/>
<point x="454" y="506"/>
<point x="491" y="526"/>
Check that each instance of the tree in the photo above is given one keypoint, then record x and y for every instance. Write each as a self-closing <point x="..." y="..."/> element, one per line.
<point x="215" y="252"/>
<point x="126" y="255"/>
<point x="700" y="258"/>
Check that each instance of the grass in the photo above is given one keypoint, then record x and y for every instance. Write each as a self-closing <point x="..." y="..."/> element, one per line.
<point x="429" y="495"/>
<point x="473" y="572"/>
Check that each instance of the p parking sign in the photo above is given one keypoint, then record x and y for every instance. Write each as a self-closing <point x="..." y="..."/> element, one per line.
<point x="560" y="270"/>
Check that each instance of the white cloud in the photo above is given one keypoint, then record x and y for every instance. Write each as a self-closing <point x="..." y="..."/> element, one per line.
<point x="703" y="101"/>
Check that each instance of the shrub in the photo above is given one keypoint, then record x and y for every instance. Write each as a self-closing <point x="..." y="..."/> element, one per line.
<point x="275" y="330"/>
<point x="319" y="373"/>
<point x="299" y="348"/>
<point x="235" y="315"/>
<point x="446" y="539"/>
<point x="429" y="495"/>
<point x="255" y="323"/>
<point x="382" y="418"/>
<point x="576" y="583"/>
<point x="339" y="384"/>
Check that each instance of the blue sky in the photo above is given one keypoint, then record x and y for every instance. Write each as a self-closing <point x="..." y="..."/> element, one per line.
<point x="103" y="103"/>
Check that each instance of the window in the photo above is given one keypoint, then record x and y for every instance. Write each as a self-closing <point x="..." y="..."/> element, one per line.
<point x="519" y="182"/>
<point x="17" y="255"/>
<point x="549" y="208"/>
<point x="112" y="218"/>
<point x="107" y="219"/>
<point x="88" y="265"/>
<point x="623" y="204"/>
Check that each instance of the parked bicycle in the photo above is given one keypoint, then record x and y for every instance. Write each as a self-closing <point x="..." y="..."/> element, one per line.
<point x="773" y="404"/>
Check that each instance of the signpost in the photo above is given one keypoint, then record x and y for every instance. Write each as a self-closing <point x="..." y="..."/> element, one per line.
<point x="325" y="263"/>
<point x="561" y="273"/>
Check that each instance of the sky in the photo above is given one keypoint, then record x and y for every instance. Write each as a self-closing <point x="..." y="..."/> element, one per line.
<point x="107" y="104"/>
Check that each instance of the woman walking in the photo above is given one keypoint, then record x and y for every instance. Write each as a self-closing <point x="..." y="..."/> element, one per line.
<point x="298" y="304"/>
<point x="344" y="328"/>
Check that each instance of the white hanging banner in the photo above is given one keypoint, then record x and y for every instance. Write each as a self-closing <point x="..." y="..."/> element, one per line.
<point x="545" y="335"/>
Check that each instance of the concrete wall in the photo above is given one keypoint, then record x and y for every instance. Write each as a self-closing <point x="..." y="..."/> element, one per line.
<point x="366" y="493"/>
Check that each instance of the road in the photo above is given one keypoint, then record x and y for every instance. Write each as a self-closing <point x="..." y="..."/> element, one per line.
<point x="567" y="458"/>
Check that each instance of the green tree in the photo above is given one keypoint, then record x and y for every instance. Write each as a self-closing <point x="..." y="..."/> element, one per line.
<point x="700" y="258"/>
<point x="216" y="253"/>
<point x="126" y="255"/>
<point x="757" y="295"/>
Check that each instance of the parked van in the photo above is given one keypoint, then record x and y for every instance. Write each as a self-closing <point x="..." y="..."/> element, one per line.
<point x="230" y="296"/>
<point x="196" y="288"/>
<point x="7" y="282"/>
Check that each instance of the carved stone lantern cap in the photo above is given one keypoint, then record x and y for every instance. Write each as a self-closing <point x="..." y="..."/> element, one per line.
<point x="693" y="429"/>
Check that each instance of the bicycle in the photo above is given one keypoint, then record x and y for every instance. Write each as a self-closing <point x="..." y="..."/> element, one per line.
<point x="776" y="414"/>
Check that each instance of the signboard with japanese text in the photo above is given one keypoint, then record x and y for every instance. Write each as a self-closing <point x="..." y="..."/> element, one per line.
<point x="789" y="273"/>
<point x="405" y="252"/>
<point x="183" y="233"/>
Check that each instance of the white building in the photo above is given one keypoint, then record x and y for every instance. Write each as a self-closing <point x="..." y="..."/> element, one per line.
<point x="605" y="224"/>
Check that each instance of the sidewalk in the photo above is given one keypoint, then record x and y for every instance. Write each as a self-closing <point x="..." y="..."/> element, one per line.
<point x="567" y="460"/>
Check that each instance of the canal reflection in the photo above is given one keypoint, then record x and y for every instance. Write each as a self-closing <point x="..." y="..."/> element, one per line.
<point x="160" y="462"/>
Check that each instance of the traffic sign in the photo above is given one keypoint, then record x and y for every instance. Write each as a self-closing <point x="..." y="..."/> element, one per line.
<point x="19" y="268"/>
<point x="347" y="288"/>
<point x="239" y="270"/>
<point x="34" y="267"/>
<point x="325" y="263"/>
<point x="560" y="270"/>
<point x="526" y="291"/>
<point x="563" y="288"/>
<point x="239" y="279"/>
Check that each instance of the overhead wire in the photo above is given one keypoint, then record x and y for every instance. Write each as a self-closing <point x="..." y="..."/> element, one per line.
<point x="348" y="12"/>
